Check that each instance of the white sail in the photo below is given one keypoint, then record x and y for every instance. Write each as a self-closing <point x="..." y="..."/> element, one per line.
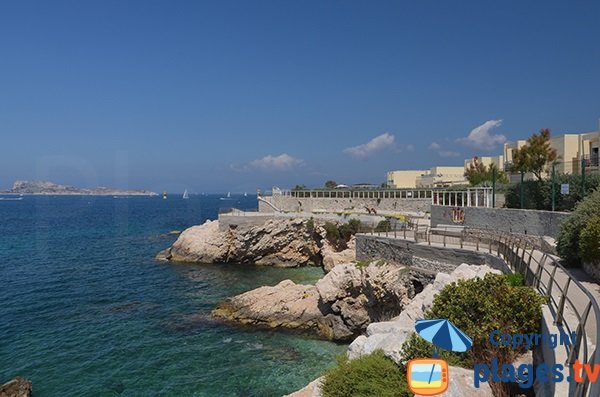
<point x="186" y="195"/>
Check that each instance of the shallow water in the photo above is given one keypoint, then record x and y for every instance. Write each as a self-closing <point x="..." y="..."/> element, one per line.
<point x="86" y="311"/>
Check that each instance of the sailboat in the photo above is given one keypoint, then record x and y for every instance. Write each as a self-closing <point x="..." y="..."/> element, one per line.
<point x="186" y="195"/>
<point x="245" y="194"/>
<point x="228" y="197"/>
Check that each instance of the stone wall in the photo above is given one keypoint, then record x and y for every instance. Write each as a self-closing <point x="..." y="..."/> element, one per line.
<point x="421" y="255"/>
<point x="295" y="204"/>
<point x="533" y="222"/>
<point x="250" y="219"/>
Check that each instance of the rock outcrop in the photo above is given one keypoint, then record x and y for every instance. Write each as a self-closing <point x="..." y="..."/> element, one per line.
<point x="339" y="307"/>
<point x="277" y="242"/>
<point x="286" y="305"/>
<point x="285" y="243"/>
<point x="18" y="387"/>
<point x="332" y="257"/>
<point x="390" y="335"/>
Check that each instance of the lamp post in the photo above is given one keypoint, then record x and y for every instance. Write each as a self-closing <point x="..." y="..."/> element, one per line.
<point x="521" y="194"/>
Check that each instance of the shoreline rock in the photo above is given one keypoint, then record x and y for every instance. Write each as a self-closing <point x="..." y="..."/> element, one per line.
<point x="17" y="387"/>
<point x="390" y="335"/>
<point x="277" y="242"/>
<point x="339" y="307"/>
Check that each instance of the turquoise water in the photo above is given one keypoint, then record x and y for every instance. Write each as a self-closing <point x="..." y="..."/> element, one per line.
<point x="86" y="311"/>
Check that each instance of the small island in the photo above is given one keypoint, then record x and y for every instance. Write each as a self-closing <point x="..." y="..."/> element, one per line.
<point x="51" y="188"/>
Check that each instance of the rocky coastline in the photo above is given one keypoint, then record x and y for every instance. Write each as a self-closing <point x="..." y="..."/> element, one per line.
<point x="338" y="307"/>
<point x="372" y="305"/>
<point x="277" y="242"/>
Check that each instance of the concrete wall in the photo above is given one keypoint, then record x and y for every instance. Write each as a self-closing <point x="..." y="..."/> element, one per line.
<point x="539" y="223"/>
<point x="295" y="204"/>
<point x="257" y="218"/>
<point x="423" y="256"/>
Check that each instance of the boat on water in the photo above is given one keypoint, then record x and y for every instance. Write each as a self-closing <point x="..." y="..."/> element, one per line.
<point x="164" y="195"/>
<point x="245" y="194"/>
<point x="228" y="197"/>
<point x="186" y="195"/>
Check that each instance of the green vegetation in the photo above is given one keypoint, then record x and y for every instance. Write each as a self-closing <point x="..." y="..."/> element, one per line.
<point x="573" y="244"/>
<point x="373" y="375"/>
<point x="535" y="155"/>
<point x="310" y="225"/>
<point x="330" y="184"/>
<point x="417" y="347"/>
<point x="338" y="234"/>
<point x="479" y="174"/>
<point x="299" y="187"/>
<point x="515" y="279"/>
<point x="476" y="306"/>
<point x="589" y="242"/>
<point x="479" y="306"/>
<point x="383" y="226"/>
<point x="538" y="194"/>
<point x="332" y="233"/>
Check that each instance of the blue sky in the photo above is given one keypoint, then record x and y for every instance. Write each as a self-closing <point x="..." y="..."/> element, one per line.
<point x="223" y="95"/>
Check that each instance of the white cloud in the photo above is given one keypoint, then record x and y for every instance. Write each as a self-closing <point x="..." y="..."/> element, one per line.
<point x="279" y="163"/>
<point x="434" y="146"/>
<point x="481" y="138"/>
<point x="410" y="148"/>
<point x="378" y="143"/>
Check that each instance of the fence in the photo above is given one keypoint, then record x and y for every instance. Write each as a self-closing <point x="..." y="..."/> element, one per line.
<point x="573" y="307"/>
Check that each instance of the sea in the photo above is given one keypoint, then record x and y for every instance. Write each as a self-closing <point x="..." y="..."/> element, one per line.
<point x="86" y="310"/>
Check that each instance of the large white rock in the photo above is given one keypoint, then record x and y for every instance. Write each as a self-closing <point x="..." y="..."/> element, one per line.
<point x="277" y="242"/>
<point x="390" y="335"/>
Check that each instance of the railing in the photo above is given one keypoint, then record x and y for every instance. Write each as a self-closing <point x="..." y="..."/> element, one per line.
<point x="591" y="160"/>
<point x="372" y="193"/>
<point x="573" y="307"/>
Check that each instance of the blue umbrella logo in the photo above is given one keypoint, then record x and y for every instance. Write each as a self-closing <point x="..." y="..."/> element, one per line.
<point x="443" y="334"/>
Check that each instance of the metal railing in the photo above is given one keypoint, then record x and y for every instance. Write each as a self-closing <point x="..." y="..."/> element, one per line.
<point x="573" y="307"/>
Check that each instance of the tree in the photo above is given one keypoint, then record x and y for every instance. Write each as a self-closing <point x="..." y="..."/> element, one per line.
<point x="478" y="173"/>
<point x="330" y="184"/>
<point x="535" y="155"/>
<point x="299" y="187"/>
<point x="574" y="245"/>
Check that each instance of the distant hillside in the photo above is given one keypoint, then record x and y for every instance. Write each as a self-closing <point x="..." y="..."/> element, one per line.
<point x="50" y="188"/>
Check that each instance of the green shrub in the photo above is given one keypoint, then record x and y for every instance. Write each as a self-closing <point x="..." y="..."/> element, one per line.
<point x="570" y="232"/>
<point x="417" y="347"/>
<point x="354" y="225"/>
<point x="339" y="235"/>
<point x="589" y="241"/>
<point x="332" y="232"/>
<point x="480" y="306"/>
<point x="515" y="279"/>
<point x="372" y="375"/>
<point x="383" y="226"/>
